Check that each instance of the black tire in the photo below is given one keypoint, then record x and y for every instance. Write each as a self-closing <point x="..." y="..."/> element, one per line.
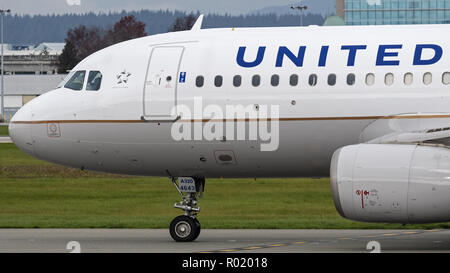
<point x="198" y="228"/>
<point x="184" y="229"/>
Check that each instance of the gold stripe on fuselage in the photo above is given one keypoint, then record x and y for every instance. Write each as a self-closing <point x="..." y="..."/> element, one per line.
<point x="240" y="120"/>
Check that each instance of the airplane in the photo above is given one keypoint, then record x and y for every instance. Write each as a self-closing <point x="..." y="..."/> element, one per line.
<point x="368" y="106"/>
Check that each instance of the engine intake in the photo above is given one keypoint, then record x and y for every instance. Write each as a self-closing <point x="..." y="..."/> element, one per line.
<point x="392" y="183"/>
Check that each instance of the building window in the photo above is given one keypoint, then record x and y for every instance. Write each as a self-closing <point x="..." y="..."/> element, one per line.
<point x="77" y="81"/>
<point x="94" y="81"/>
<point x="363" y="12"/>
<point x="332" y="79"/>
<point x="409" y="79"/>
<point x="446" y="78"/>
<point x="312" y="80"/>
<point x="218" y="81"/>
<point x="200" y="81"/>
<point x="389" y="79"/>
<point x="237" y="81"/>
<point x="256" y="80"/>
<point x="275" y="80"/>
<point x="351" y="79"/>
<point x="370" y="79"/>
<point x="427" y="78"/>
<point x="293" y="80"/>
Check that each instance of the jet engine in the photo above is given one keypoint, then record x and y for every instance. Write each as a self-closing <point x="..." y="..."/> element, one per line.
<point x="392" y="183"/>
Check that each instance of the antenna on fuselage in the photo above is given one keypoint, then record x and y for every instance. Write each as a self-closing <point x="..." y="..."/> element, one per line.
<point x="198" y="24"/>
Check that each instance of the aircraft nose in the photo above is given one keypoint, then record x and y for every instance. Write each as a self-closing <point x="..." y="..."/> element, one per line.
<point x="20" y="129"/>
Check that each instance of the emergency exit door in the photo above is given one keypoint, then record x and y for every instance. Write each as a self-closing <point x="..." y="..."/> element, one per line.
<point x="160" y="91"/>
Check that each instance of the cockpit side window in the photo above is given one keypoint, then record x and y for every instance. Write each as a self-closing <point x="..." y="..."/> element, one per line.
<point x="77" y="81"/>
<point x="94" y="81"/>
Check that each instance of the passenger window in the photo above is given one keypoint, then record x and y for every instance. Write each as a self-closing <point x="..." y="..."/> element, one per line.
<point x="256" y="80"/>
<point x="77" y="81"/>
<point x="237" y="81"/>
<point x="446" y="78"/>
<point x="370" y="79"/>
<point x="312" y="80"/>
<point x="427" y="78"/>
<point x="293" y="80"/>
<point x="218" y="81"/>
<point x="275" y="80"/>
<point x="409" y="78"/>
<point x="94" y="81"/>
<point x="200" y="81"/>
<point x="389" y="79"/>
<point x="351" y="79"/>
<point x="332" y="79"/>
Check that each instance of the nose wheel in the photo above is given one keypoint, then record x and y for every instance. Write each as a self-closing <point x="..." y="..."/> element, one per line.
<point x="186" y="228"/>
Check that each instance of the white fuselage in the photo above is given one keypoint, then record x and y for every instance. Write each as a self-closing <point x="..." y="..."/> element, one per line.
<point x="126" y="126"/>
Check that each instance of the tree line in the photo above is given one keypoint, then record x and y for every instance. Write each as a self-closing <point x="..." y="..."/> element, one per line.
<point x="82" y="41"/>
<point x="98" y="32"/>
<point x="26" y="29"/>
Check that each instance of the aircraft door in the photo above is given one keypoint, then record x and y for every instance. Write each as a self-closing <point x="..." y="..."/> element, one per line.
<point x="160" y="91"/>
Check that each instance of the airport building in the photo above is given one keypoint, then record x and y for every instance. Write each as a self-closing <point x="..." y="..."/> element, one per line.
<point x="393" y="12"/>
<point x="32" y="60"/>
<point x="20" y="89"/>
<point x="29" y="72"/>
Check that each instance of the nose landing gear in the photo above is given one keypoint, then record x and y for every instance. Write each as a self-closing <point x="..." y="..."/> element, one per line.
<point x="186" y="228"/>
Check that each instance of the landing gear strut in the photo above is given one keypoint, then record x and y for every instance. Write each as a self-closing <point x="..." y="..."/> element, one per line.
<point x="186" y="228"/>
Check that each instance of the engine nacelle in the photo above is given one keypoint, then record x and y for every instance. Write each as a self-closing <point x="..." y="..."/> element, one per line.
<point x="392" y="183"/>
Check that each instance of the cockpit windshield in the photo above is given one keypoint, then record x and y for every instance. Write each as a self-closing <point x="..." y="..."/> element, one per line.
<point x="66" y="79"/>
<point x="77" y="81"/>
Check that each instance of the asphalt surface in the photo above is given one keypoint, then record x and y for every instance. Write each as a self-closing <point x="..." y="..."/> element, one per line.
<point x="223" y="241"/>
